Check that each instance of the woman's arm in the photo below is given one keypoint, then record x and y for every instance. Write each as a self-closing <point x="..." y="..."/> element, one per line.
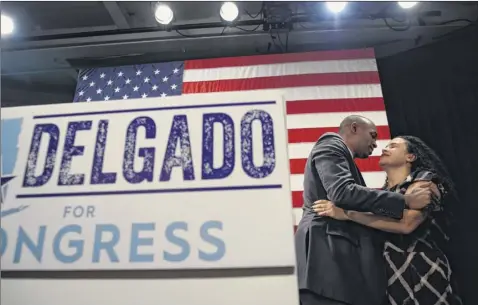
<point x="410" y="221"/>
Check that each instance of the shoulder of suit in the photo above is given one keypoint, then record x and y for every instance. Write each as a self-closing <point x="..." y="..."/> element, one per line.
<point x="331" y="138"/>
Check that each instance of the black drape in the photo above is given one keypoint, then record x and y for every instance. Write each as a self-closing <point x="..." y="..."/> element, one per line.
<point x="432" y="92"/>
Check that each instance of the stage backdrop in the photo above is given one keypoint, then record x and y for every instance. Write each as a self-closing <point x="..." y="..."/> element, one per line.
<point x="321" y="88"/>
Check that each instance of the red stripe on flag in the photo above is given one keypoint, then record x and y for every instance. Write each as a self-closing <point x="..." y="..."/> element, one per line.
<point x="304" y="135"/>
<point x="297" y="199"/>
<point x="302" y="80"/>
<point x="277" y="59"/>
<point x="336" y="105"/>
<point x="370" y="164"/>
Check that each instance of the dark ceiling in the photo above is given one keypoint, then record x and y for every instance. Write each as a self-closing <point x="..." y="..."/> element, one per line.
<point x="53" y="40"/>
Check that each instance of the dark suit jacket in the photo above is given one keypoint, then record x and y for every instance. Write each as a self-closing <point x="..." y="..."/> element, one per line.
<point x="341" y="260"/>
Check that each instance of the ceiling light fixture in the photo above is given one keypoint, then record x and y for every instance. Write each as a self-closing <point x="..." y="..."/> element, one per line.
<point x="336" y="6"/>
<point x="7" y="25"/>
<point x="229" y="11"/>
<point x="407" y="4"/>
<point x="163" y="14"/>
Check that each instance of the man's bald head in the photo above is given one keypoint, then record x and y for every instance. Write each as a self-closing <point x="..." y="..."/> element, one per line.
<point x="351" y="119"/>
<point x="360" y="135"/>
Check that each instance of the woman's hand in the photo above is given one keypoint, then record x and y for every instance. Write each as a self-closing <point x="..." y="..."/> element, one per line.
<point x="328" y="208"/>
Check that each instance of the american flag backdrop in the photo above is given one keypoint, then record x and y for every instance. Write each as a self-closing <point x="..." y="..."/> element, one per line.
<point x="321" y="88"/>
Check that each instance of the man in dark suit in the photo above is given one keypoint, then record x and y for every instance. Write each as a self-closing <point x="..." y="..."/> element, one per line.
<point x="340" y="262"/>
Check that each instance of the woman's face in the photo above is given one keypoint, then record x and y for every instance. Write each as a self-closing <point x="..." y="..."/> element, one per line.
<point x="396" y="154"/>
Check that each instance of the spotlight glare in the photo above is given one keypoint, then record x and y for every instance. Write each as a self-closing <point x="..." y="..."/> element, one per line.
<point x="407" y="4"/>
<point x="229" y="11"/>
<point x="7" y="25"/>
<point x="336" y="6"/>
<point x="163" y="14"/>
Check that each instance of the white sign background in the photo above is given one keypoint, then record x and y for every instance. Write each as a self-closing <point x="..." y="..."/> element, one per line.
<point x="256" y="223"/>
<point x="265" y="290"/>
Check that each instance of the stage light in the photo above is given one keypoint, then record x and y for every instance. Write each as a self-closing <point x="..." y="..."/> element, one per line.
<point x="407" y="4"/>
<point x="336" y="6"/>
<point x="229" y="11"/>
<point x="7" y="25"/>
<point x="163" y="14"/>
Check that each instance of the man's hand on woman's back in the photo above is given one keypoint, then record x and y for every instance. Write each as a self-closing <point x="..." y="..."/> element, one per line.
<point x="420" y="196"/>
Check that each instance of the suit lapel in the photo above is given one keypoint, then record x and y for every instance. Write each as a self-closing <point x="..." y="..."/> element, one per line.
<point x="362" y="180"/>
<point x="355" y="171"/>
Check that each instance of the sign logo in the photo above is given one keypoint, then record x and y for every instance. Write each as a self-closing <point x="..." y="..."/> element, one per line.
<point x="10" y="129"/>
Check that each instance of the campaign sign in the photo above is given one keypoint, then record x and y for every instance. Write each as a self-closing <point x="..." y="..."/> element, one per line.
<point x="190" y="182"/>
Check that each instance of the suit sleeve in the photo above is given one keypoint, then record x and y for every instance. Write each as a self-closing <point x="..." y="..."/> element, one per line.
<point x="334" y="172"/>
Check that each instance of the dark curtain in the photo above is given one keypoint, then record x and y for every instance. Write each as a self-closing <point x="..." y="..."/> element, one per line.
<point x="432" y="92"/>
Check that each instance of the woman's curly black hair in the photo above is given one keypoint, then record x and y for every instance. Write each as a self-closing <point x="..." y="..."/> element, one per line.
<point x="428" y="160"/>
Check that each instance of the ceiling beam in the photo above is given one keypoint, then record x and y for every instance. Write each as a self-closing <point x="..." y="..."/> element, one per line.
<point x="43" y="87"/>
<point x="116" y="14"/>
<point x="73" y="73"/>
<point x="90" y="30"/>
<point x="63" y="54"/>
<point x="14" y="97"/>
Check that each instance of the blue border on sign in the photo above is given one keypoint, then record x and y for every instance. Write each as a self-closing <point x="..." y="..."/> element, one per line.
<point x="60" y="115"/>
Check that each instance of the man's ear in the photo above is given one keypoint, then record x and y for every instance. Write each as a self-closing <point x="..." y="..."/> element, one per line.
<point x="353" y="127"/>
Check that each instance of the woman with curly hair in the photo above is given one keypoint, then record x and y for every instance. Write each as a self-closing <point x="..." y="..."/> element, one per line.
<point x="418" y="270"/>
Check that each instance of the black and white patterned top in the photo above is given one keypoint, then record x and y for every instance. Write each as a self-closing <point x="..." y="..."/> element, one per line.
<point x="418" y="270"/>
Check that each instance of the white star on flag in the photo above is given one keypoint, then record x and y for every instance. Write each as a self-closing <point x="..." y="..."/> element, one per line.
<point x="88" y="99"/>
<point x="152" y="80"/>
<point x="125" y="97"/>
<point x="85" y="77"/>
<point x="107" y="98"/>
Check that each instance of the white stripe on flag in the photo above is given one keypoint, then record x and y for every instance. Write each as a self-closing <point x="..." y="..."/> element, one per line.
<point x="302" y="150"/>
<point x="331" y="119"/>
<point x="325" y="92"/>
<point x="297" y="212"/>
<point x="293" y="68"/>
